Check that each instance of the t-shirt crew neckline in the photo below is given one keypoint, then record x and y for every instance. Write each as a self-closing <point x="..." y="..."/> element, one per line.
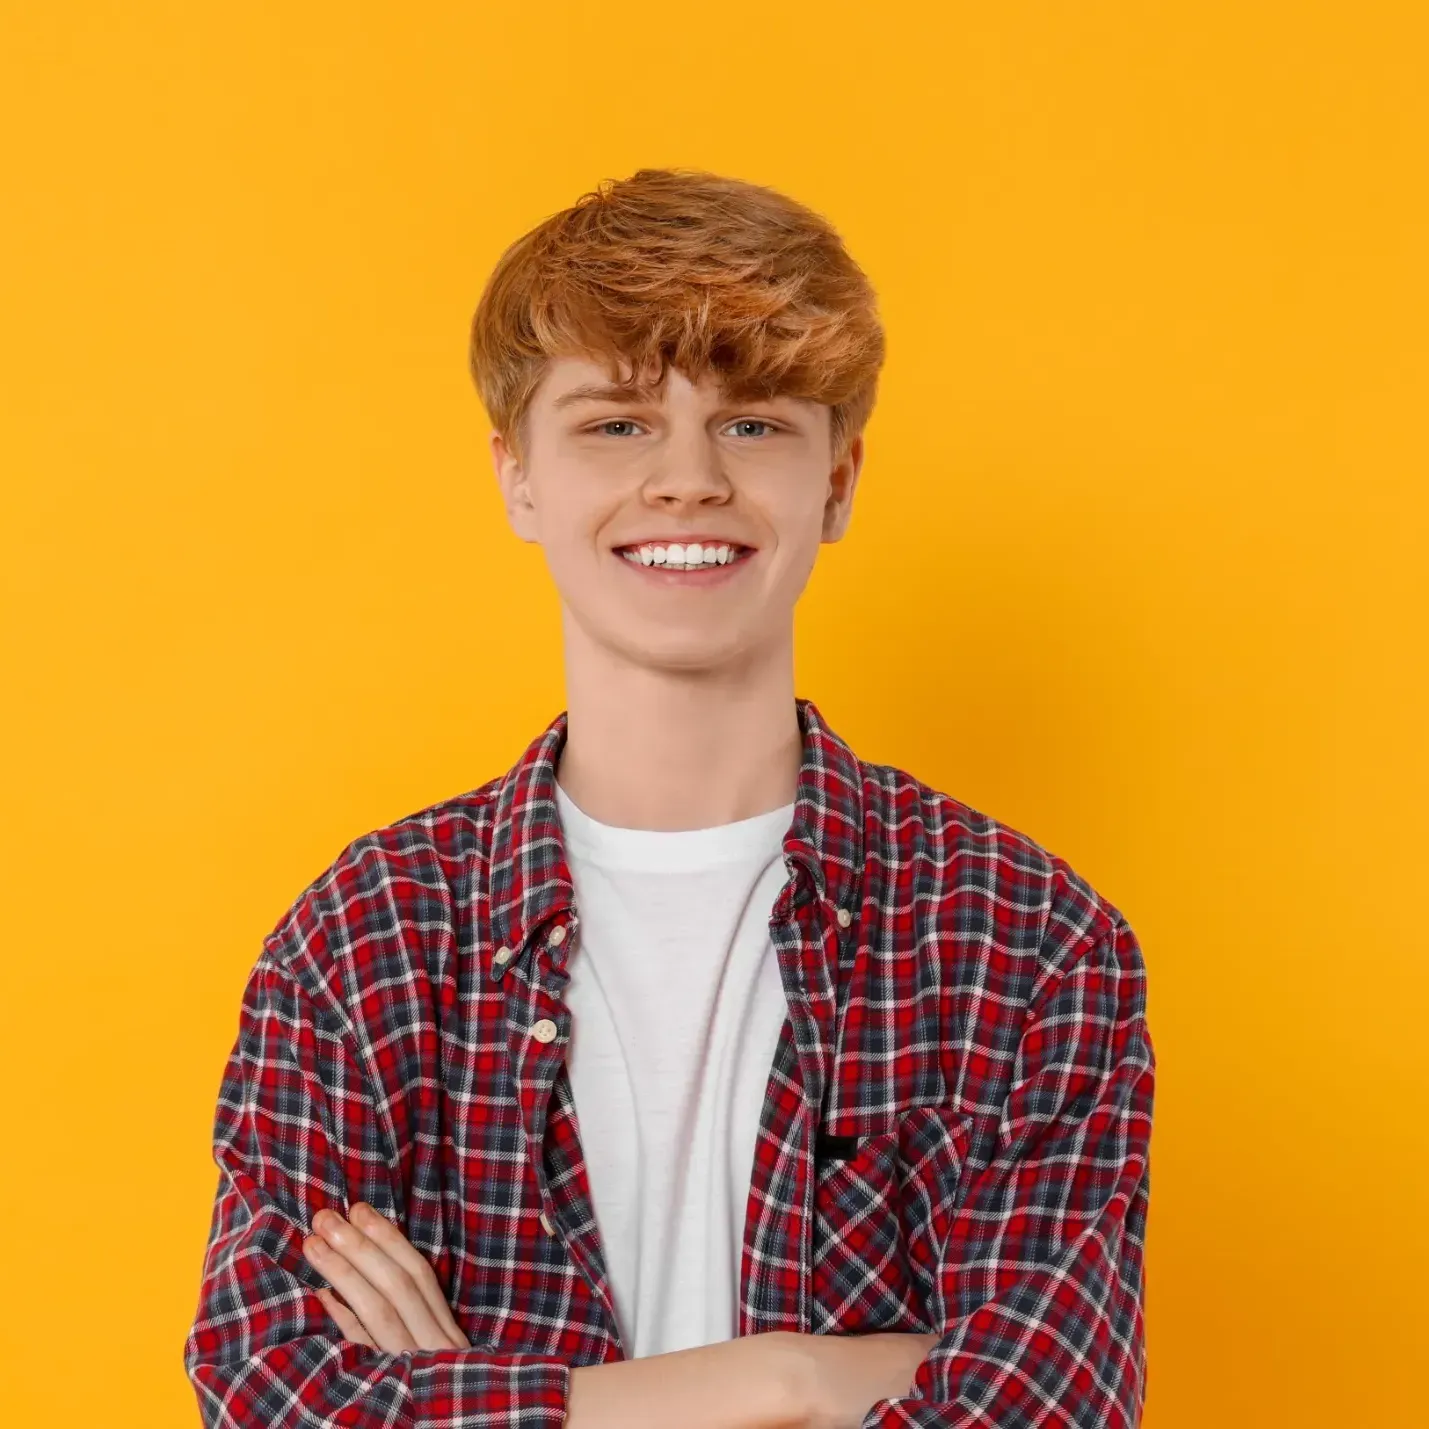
<point x="670" y="850"/>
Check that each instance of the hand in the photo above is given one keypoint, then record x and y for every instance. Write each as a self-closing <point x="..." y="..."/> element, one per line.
<point x="393" y="1300"/>
<point x="846" y="1375"/>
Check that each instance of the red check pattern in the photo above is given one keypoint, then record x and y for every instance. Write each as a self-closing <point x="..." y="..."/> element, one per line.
<point x="954" y="1135"/>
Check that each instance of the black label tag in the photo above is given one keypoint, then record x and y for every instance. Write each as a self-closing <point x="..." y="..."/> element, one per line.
<point x="834" y="1148"/>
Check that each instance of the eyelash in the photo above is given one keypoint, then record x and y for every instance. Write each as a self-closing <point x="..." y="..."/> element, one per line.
<point x="762" y="421"/>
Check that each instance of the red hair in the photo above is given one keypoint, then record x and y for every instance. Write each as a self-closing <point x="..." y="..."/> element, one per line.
<point x="686" y="268"/>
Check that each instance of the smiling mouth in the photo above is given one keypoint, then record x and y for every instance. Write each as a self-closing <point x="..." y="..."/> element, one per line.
<point x="631" y="555"/>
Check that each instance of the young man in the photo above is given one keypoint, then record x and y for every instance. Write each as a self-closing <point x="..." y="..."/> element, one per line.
<point x="695" y="1071"/>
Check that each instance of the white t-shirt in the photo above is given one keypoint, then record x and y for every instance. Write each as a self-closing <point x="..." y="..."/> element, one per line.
<point x="676" y="1010"/>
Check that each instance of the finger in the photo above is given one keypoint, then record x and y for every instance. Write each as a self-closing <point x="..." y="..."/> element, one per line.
<point x="386" y="1276"/>
<point x="378" y="1229"/>
<point x="377" y="1314"/>
<point x="352" y="1328"/>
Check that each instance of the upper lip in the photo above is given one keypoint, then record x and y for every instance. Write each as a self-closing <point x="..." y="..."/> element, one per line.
<point x="701" y="540"/>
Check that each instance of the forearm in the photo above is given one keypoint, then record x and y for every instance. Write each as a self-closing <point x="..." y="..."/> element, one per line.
<point x="748" y="1383"/>
<point x="777" y="1380"/>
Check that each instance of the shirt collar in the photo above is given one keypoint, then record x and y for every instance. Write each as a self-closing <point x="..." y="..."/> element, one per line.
<point x="530" y="880"/>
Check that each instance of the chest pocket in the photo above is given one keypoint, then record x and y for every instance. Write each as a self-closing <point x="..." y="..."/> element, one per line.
<point x="883" y="1205"/>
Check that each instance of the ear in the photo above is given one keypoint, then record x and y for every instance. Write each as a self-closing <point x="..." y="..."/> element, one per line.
<point x="843" y="480"/>
<point x="515" y="488"/>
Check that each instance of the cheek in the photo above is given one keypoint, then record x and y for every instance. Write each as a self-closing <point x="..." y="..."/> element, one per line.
<point x="576" y="544"/>
<point x="800" y="535"/>
<point x="574" y="514"/>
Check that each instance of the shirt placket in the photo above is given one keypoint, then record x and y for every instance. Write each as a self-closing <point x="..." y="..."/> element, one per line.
<point x="538" y="1027"/>
<point x="776" y="1286"/>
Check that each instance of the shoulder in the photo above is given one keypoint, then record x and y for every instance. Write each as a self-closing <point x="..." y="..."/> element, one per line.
<point x="388" y="905"/>
<point x="984" y="881"/>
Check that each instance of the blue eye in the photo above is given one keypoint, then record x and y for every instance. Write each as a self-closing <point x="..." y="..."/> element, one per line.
<point x="601" y="427"/>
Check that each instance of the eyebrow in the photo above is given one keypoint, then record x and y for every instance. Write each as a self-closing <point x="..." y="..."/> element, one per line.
<point x="627" y="392"/>
<point x="605" y="392"/>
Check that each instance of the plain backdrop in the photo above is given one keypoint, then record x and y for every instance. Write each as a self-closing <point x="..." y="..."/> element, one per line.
<point x="1137" y="566"/>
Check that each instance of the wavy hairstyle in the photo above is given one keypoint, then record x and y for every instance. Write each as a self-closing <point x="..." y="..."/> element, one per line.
<point x="690" y="269"/>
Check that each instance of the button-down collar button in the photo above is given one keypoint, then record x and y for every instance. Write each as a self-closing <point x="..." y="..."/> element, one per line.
<point x="544" y="1030"/>
<point x="502" y="956"/>
<point x="844" y="917"/>
<point x="546" y="1224"/>
<point x="558" y="935"/>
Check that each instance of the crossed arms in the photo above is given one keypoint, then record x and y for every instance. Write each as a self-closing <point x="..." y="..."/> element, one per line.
<point x="392" y="1302"/>
<point x="1037" y="1299"/>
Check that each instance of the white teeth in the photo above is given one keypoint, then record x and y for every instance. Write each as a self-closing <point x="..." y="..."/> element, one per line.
<point x="692" y="557"/>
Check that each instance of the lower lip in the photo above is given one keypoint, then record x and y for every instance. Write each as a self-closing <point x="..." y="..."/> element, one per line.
<point x="710" y="575"/>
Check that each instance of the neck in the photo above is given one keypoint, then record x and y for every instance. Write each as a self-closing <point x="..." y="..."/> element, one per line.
<point x="668" y="749"/>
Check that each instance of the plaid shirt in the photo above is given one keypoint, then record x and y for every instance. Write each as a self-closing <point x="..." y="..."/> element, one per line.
<point x="954" y="1136"/>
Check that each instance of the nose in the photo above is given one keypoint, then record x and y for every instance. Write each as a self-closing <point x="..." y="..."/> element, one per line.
<point x="688" y="465"/>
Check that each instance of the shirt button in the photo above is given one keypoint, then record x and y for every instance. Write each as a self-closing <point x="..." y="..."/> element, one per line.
<point x="558" y="935"/>
<point x="844" y="917"/>
<point x="546" y="1224"/>
<point x="544" y="1030"/>
<point x="502" y="956"/>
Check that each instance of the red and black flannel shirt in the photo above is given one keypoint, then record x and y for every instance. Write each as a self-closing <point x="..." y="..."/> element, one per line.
<point x="954" y="1135"/>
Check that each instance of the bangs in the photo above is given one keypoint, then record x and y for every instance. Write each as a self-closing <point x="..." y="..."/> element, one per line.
<point x="709" y="275"/>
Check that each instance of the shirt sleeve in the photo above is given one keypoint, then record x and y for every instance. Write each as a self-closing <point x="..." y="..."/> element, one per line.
<point x="296" y="1130"/>
<point x="1041" y="1277"/>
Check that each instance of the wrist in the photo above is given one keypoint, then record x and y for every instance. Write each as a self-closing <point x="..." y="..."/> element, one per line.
<point x="787" y="1370"/>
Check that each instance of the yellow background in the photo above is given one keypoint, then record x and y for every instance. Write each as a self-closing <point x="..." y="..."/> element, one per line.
<point x="1137" y="566"/>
